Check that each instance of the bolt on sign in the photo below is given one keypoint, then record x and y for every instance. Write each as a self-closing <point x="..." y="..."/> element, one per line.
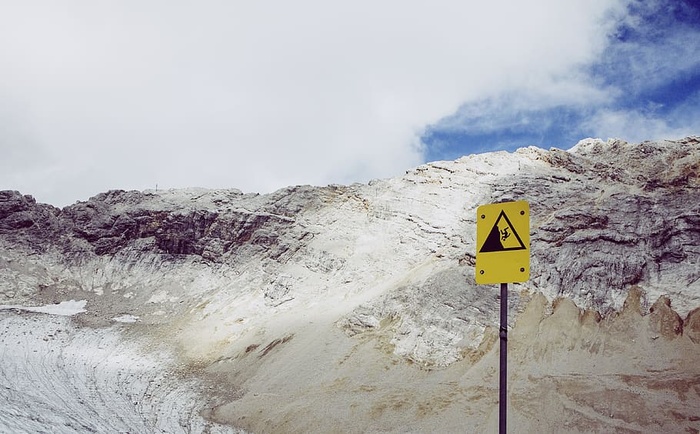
<point x="503" y="242"/>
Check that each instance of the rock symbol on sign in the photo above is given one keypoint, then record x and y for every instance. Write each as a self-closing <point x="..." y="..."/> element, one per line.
<point x="502" y="237"/>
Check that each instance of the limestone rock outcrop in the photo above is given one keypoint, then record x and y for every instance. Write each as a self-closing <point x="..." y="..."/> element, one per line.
<point x="605" y="216"/>
<point x="374" y="284"/>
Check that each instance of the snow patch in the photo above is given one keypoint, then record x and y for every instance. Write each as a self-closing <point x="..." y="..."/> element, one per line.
<point x="57" y="378"/>
<point x="126" y="318"/>
<point x="64" y="308"/>
<point x="158" y="297"/>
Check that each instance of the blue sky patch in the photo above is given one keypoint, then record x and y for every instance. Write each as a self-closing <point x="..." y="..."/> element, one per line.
<point x="649" y="72"/>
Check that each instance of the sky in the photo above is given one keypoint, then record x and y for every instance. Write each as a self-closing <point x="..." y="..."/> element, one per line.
<point x="98" y="94"/>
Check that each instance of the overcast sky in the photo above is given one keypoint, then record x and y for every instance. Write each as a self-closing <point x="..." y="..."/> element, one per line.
<point x="98" y="95"/>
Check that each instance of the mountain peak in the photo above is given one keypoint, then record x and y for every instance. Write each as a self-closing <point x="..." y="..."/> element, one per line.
<point x="238" y="285"/>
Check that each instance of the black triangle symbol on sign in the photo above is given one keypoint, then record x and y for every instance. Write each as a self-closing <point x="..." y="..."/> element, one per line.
<point x="499" y="239"/>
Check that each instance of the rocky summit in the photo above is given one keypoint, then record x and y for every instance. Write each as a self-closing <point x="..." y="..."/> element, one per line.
<point x="355" y="308"/>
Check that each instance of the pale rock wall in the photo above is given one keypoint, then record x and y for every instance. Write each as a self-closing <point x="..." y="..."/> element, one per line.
<point x="605" y="216"/>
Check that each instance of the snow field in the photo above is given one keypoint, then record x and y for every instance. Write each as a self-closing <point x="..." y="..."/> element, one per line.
<point x="61" y="379"/>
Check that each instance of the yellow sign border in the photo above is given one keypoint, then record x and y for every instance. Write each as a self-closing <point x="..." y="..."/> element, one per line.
<point x="496" y="263"/>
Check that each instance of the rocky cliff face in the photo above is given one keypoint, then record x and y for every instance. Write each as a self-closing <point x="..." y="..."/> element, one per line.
<point x="218" y="273"/>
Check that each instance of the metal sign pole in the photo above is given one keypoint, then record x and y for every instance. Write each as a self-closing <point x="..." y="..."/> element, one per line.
<point x="503" y="395"/>
<point x="503" y="255"/>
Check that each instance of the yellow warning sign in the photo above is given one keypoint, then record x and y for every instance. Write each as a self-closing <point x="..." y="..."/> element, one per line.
<point x="503" y="242"/>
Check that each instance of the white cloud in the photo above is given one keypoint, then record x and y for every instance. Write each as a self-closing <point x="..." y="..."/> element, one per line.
<point x="637" y="126"/>
<point x="655" y="47"/>
<point x="259" y="95"/>
<point x="513" y="108"/>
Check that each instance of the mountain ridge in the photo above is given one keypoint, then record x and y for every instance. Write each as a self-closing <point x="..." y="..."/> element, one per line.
<point x="239" y="284"/>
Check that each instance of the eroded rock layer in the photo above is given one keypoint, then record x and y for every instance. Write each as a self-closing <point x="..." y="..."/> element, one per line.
<point x="299" y="295"/>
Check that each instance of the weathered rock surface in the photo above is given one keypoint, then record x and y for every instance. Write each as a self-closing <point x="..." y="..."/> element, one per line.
<point x="605" y="216"/>
<point x="231" y="281"/>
